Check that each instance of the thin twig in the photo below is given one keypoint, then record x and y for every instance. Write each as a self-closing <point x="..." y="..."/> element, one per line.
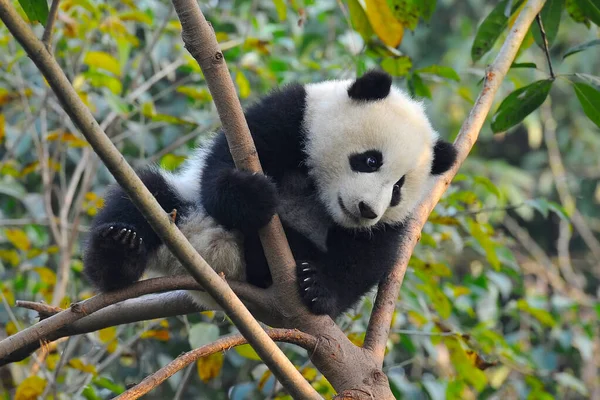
<point x="52" y="14"/>
<point x="281" y="335"/>
<point x="540" y="24"/>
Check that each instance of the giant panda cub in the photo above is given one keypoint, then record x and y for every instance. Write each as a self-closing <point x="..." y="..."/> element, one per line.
<point x="345" y="163"/>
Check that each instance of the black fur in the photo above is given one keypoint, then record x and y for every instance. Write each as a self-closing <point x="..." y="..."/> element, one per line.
<point x="373" y="85"/>
<point x="444" y="156"/>
<point x="114" y="258"/>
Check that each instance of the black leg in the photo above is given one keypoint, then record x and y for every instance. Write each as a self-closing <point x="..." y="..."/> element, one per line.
<point x="121" y="239"/>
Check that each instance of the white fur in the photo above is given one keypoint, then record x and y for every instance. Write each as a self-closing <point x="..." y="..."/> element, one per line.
<point x="337" y="126"/>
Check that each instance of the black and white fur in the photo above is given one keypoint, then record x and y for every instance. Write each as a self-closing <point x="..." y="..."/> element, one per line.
<point x="345" y="163"/>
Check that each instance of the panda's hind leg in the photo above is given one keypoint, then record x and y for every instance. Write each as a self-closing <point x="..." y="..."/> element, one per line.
<point x="120" y="239"/>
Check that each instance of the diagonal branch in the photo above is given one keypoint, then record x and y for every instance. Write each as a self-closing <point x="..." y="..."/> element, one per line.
<point x="281" y="366"/>
<point x="385" y="304"/>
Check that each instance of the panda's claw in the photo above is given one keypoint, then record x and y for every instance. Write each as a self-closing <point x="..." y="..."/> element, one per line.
<point x="117" y="236"/>
<point x="132" y="242"/>
<point x="107" y="231"/>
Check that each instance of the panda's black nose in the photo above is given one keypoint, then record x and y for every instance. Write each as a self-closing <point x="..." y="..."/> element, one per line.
<point x="366" y="211"/>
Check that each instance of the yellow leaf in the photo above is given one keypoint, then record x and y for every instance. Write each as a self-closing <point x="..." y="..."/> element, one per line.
<point x="30" y="388"/>
<point x="136" y="16"/>
<point x="210" y="366"/>
<point x="33" y="253"/>
<point x="105" y="61"/>
<point x="160" y="334"/>
<point x="2" y="129"/>
<point x="46" y="275"/>
<point x="52" y="250"/>
<point x="389" y="30"/>
<point x="263" y="379"/>
<point x="357" y="338"/>
<point x="11" y="328"/>
<point x="52" y="361"/>
<point x="112" y="346"/>
<point x="30" y="168"/>
<point x="107" y="334"/>
<point x="18" y="238"/>
<point x="281" y="9"/>
<point x="310" y="374"/>
<point x="164" y="323"/>
<point x="11" y="256"/>
<point x="242" y="84"/>
<point x="8" y="295"/>
<point x="65" y="302"/>
<point x="248" y="352"/>
<point x="79" y="365"/>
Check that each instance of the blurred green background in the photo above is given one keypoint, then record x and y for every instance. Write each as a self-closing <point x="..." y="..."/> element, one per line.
<point x="501" y="297"/>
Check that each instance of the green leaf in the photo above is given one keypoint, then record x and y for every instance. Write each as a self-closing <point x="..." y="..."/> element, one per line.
<point x="407" y="12"/>
<point x="519" y="104"/>
<point x="106" y="383"/>
<point x="398" y="66"/>
<point x="486" y="243"/>
<point x="581" y="47"/>
<point x="523" y="65"/>
<point x="541" y="315"/>
<point x="202" y="333"/>
<point x="36" y="10"/>
<point x="417" y="87"/>
<point x="248" y="352"/>
<point x="440" y="70"/>
<point x="575" y="13"/>
<point x="591" y="9"/>
<point x="360" y="22"/>
<point x="589" y="98"/>
<point x="551" y="20"/>
<point x="281" y="9"/>
<point x="488" y="185"/>
<point x="490" y="29"/>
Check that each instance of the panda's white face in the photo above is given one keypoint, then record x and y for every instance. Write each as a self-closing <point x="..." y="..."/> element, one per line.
<point x="370" y="160"/>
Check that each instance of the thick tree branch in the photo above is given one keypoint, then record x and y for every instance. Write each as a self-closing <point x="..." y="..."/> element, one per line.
<point x="385" y="304"/>
<point x="293" y="336"/>
<point x="281" y="366"/>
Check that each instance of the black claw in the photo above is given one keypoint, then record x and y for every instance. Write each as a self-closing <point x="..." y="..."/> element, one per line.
<point x="107" y="231"/>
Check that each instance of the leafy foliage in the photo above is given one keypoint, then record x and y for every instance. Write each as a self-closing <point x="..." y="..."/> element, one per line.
<point x="487" y="309"/>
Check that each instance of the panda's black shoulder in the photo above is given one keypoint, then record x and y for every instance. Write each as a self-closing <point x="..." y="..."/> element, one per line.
<point x="282" y="110"/>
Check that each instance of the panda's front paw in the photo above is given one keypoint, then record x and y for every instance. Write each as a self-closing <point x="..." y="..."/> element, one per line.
<point x="247" y="200"/>
<point x="313" y="291"/>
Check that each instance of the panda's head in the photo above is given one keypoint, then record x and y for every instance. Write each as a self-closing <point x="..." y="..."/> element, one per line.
<point x="370" y="150"/>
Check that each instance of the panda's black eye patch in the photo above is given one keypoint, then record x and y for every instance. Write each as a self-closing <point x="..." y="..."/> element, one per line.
<point x="396" y="192"/>
<point x="368" y="161"/>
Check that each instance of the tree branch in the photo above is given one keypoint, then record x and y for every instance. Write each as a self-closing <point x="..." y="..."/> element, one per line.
<point x="385" y="303"/>
<point x="273" y="357"/>
<point x="293" y="336"/>
<point x="540" y="24"/>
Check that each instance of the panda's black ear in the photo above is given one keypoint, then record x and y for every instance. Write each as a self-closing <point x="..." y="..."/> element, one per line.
<point x="373" y="85"/>
<point x="444" y="156"/>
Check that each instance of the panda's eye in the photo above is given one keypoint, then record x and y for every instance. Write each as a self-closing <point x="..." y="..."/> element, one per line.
<point x="369" y="161"/>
